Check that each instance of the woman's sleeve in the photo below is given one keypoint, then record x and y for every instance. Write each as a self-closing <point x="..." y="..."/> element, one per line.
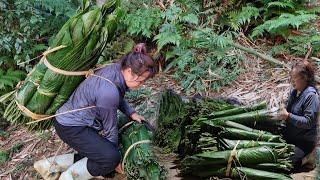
<point x="311" y="109"/>
<point x="126" y="108"/>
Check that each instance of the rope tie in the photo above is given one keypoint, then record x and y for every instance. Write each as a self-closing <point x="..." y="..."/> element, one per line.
<point x="90" y="72"/>
<point x="125" y="126"/>
<point x="130" y="148"/>
<point x="55" y="115"/>
<point x="232" y="156"/>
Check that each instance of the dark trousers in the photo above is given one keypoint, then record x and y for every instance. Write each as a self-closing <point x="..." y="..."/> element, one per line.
<point x="103" y="156"/>
<point x="301" y="149"/>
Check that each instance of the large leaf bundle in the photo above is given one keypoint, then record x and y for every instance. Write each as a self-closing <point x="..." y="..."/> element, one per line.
<point x="243" y="156"/>
<point x="83" y="37"/>
<point x="140" y="163"/>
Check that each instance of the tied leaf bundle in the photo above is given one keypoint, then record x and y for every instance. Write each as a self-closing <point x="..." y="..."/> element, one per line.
<point x="261" y="157"/>
<point x="76" y="48"/>
<point x="140" y="162"/>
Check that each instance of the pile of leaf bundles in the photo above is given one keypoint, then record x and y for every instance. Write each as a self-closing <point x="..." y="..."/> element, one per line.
<point x="220" y="139"/>
<point x="80" y="43"/>
<point x="226" y="147"/>
<point x="138" y="159"/>
<point x="176" y="113"/>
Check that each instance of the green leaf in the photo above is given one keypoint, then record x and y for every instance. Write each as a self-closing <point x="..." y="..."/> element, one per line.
<point x="190" y="18"/>
<point x="39" y="47"/>
<point x="168" y="35"/>
<point x="142" y="21"/>
<point x="245" y="16"/>
<point x="281" y="4"/>
<point x="172" y="14"/>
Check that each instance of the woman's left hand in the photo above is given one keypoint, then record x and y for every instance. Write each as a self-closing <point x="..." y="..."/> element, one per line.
<point x="137" y="117"/>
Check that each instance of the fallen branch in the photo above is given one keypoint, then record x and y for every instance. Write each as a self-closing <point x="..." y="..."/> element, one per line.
<point x="265" y="57"/>
<point x="260" y="55"/>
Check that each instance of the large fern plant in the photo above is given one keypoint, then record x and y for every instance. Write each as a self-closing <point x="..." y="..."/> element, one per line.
<point x="273" y="17"/>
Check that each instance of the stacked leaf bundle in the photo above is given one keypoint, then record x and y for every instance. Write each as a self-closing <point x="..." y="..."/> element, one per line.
<point x="239" y="158"/>
<point x="81" y="40"/>
<point x="175" y="113"/>
<point x="138" y="159"/>
<point x="218" y="142"/>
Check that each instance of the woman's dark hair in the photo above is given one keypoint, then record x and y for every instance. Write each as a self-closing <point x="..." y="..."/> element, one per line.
<point x="306" y="70"/>
<point x="139" y="61"/>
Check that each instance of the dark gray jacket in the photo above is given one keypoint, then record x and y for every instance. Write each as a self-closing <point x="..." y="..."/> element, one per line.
<point x="107" y="98"/>
<point x="302" y="121"/>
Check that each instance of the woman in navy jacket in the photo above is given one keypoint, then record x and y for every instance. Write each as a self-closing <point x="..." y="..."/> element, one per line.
<point x="93" y="133"/>
<point x="301" y="112"/>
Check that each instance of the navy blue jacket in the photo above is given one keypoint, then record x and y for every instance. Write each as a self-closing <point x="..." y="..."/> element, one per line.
<point x="107" y="97"/>
<point x="303" y="109"/>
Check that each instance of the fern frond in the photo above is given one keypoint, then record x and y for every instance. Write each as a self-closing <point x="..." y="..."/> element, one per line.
<point x="16" y="73"/>
<point x="168" y="34"/>
<point x="13" y="79"/>
<point x="9" y="78"/>
<point x="281" y="4"/>
<point x="57" y="7"/>
<point x="190" y="18"/>
<point x="207" y="38"/>
<point x="245" y="16"/>
<point x="143" y="21"/>
<point x="284" y="21"/>
<point x="6" y="82"/>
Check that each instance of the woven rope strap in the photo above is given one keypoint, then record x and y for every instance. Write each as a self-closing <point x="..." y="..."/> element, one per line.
<point x="57" y="70"/>
<point x="44" y="92"/>
<point x="130" y="148"/>
<point x="233" y="154"/>
<point x="63" y="72"/>
<point x="27" y="112"/>
<point x="51" y="50"/>
<point x="55" y="115"/>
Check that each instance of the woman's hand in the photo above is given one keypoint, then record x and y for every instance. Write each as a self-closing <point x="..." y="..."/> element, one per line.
<point x="119" y="169"/>
<point x="137" y="117"/>
<point x="283" y="113"/>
